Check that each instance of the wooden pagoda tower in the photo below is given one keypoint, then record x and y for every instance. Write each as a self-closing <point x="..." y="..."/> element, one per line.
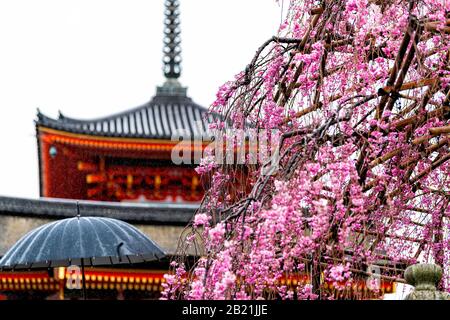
<point x="127" y="156"/>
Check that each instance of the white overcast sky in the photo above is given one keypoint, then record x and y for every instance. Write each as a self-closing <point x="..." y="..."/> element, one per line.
<point x="92" y="58"/>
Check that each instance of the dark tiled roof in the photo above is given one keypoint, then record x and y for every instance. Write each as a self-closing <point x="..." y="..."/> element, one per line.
<point x="139" y="213"/>
<point x="161" y="118"/>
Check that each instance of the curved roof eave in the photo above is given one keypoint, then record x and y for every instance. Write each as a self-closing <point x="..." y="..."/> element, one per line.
<point x="161" y="118"/>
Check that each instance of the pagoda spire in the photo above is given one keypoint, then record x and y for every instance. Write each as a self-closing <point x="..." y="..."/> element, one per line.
<point x="172" y="40"/>
<point x="172" y="51"/>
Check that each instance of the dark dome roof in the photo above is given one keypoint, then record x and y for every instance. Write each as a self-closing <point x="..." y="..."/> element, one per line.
<point x="80" y="237"/>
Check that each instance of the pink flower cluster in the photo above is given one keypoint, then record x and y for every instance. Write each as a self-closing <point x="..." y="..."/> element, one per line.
<point x="363" y="175"/>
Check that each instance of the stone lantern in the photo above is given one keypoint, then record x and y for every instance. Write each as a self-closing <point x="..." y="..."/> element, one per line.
<point x="425" y="278"/>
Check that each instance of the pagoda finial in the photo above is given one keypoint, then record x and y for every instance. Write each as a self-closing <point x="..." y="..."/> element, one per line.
<point x="172" y="51"/>
<point x="172" y="40"/>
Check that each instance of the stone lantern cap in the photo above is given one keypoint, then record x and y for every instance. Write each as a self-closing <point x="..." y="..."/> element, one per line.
<point x="425" y="279"/>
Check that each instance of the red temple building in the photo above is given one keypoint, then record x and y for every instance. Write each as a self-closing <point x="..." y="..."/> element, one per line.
<point x="124" y="157"/>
